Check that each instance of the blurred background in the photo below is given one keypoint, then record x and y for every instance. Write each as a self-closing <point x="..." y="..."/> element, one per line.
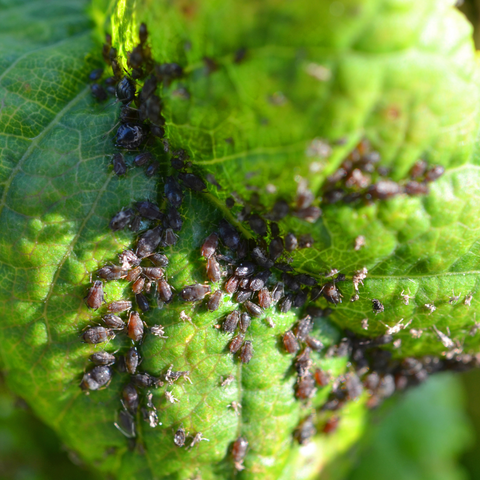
<point x="429" y="433"/>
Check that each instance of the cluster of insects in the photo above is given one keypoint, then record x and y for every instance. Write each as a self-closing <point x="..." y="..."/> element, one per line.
<point x="360" y="177"/>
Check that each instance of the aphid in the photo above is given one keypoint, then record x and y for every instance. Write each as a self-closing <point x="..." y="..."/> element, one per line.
<point x="168" y="71"/>
<point x="454" y="298"/>
<point x="433" y="173"/>
<point x="290" y="342"/>
<point x="303" y="328"/>
<point x="125" y="90"/>
<point x="126" y="424"/>
<point x="135" y="327"/>
<point x="173" y="192"/>
<point x="230" y="323"/>
<point x="121" y="219"/>
<point x="159" y="260"/>
<point x="331" y="425"/>
<point x="140" y="160"/>
<point x="194" y="293"/>
<point x="446" y="341"/>
<point x="275" y="249"/>
<point x="113" y="322"/>
<point x="128" y="259"/>
<point x="236" y="343"/>
<point x="95" y="335"/>
<point x="269" y="321"/>
<point x="285" y="304"/>
<point x="309" y="214"/>
<point x="305" y="241"/>
<point x="230" y="237"/>
<point x="130" y="398"/>
<point x="119" y="165"/>
<point x="134" y="274"/>
<point x="430" y="307"/>
<point x="264" y="298"/>
<point x="111" y="272"/>
<point x="418" y="169"/>
<point x="245" y="269"/>
<point x="142" y="302"/>
<point x="214" y="301"/>
<point x="331" y="293"/>
<point x="303" y="362"/>
<point x="213" y="269"/>
<point x="130" y="136"/>
<point x="174" y="218"/>
<point x="209" y="245"/>
<point x="261" y="258"/>
<point x="365" y="323"/>
<point x="138" y="285"/>
<point x="377" y="306"/>
<point x="468" y="300"/>
<point x="278" y="291"/>
<point x="227" y="381"/>
<point x="416" y="188"/>
<point x="246" y="352"/>
<point x="257" y="224"/>
<point x="305" y="387"/>
<point x="158" y="331"/>
<point x="291" y="242"/>
<point x="95" y="74"/>
<point x="136" y="223"/>
<point x="153" y="273"/>
<point x="102" y="358"/>
<point x="243" y="295"/>
<point x="314" y="343"/>
<point x="98" y="92"/>
<point x="95" y="296"/>
<point x="119" y="306"/>
<point x="192" y="181"/>
<point x="253" y="309"/>
<point x="305" y="431"/>
<point x="148" y="209"/>
<point x="322" y="378"/>
<point x="197" y="439"/>
<point x="171" y="397"/>
<point x="179" y="437"/>
<point x="169" y="237"/>
<point x="142" y="380"/>
<point x="300" y="299"/>
<point x="148" y="242"/>
<point x="239" y="451"/>
<point x="384" y="189"/>
<point x="100" y="376"/>
<point x="259" y="280"/>
<point x="151" y="170"/>
<point x="358" y="277"/>
<point x="164" y="291"/>
<point x="236" y="407"/>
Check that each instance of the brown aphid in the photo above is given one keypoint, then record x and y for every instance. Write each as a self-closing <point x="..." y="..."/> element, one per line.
<point x="164" y="291"/>
<point x="290" y="342"/>
<point x="305" y="431"/>
<point x="112" y="272"/>
<point x="314" y="343"/>
<point x="303" y="362"/>
<point x="231" y="284"/>
<point x="148" y="242"/>
<point x="134" y="274"/>
<point x="179" y="437"/>
<point x="246" y="352"/>
<point x="102" y="358"/>
<point x="418" y="169"/>
<point x="95" y="335"/>
<point x="214" y="301"/>
<point x="331" y="293"/>
<point x="321" y="377"/>
<point x="291" y="242"/>
<point x="138" y="285"/>
<point x="239" y="451"/>
<point x="384" y="189"/>
<point x="253" y="309"/>
<point x="331" y="425"/>
<point x="213" y="270"/>
<point x="264" y="298"/>
<point x="231" y="322"/>
<point x="95" y="296"/>
<point x="119" y="165"/>
<point x="245" y="321"/>
<point x="303" y="328"/>
<point x="236" y="343"/>
<point x="209" y="245"/>
<point x="113" y="322"/>
<point x="159" y="260"/>
<point x="416" y="188"/>
<point x="135" y="327"/>
<point x="305" y="387"/>
<point x="153" y="273"/>
<point x="305" y="241"/>
<point x="130" y="398"/>
<point x="433" y="173"/>
<point x="119" y="306"/>
<point x="128" y="259"/>
<point x="194" y="293"/>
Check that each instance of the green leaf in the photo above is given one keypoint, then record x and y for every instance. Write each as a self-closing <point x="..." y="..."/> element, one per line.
<point x="389" y="74"/>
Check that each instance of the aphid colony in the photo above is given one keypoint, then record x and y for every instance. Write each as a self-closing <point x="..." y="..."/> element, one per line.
<point x="360" y="177"/>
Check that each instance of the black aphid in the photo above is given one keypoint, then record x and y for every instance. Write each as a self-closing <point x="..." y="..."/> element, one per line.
<point x="416" y="188"/>
<point x="95" y="296"/>
<point x="305" y="241"/>
<point x="142" y="159"/>
<point x="121" y="219"/>
<point x="213" y="270"/>
<point x="138" y="285"/>
<point x="95" y="74"/>
<point x="253" y="309"/>
<point x="142" y="302"/>
<point x="159" y="260"/>
<point x="243" y="295"/>
<point x="258" y="224"/>
<point x="305" y="387"/>
<point x="194" y="293"/>
<point x="95" y="335"/>
<point x="310" y="214"/>
<point x="174" y="218"/>
<point x="125" y="90"/>
<point x="377" y="306"/>
<point x="384" y="189"/>
<point x="275" y="249"/>
<point x="231" y="284"/>
<point x="132" y="359"/>
<point x="192" y="181"/>
<point x="173" y="192"/>
<point x="152" y="169"/>
<point x="100" y="376"/>
<point x="148" y="242"/>
<point x="130" y="398"/>
<point x="230" y="237"/>
<point x="245" y="269"/>
<point x="98" y="92"/>
<point x="168" y="71"/>
<point x="246" y="352"/>
<point x="130" y="136"/>
<point x="119" y="165"/>
<point x="259" y="280"/>
<point x="300" y="298"/>
<point x="279" y="211"/>
<point x="209" y="245"/>
<point x="291" y="242"/>
<point x="278" y="291"/>
<point x="179" y="437"/>
<point x="133" y="274"/>
<point x="285" y="304"/>
<point x="142" y="380"/>
<point x="102" y="358"/>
